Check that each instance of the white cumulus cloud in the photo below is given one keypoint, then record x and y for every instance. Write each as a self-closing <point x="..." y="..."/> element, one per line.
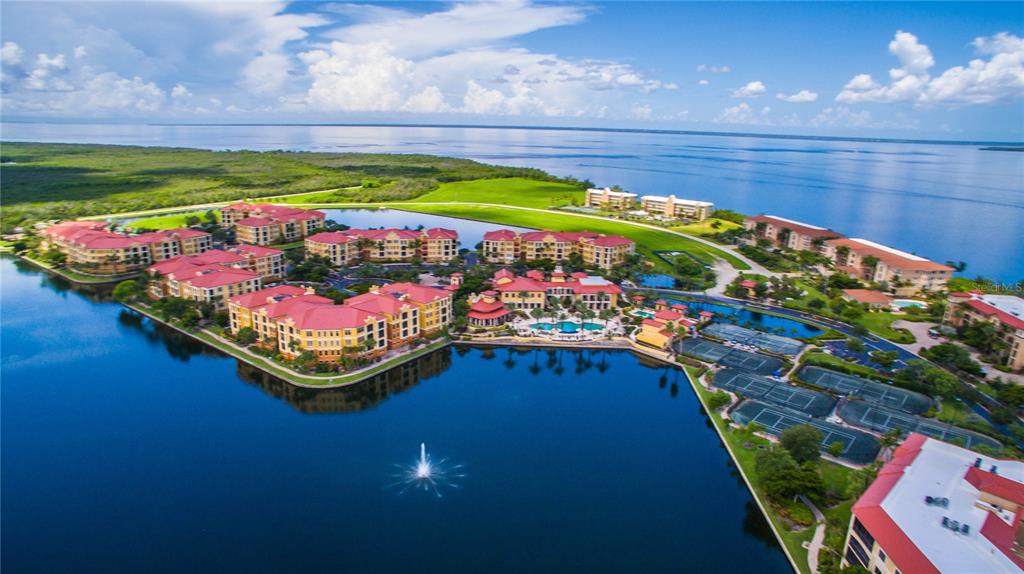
<point x="801" y="97"/>
<point x="750" y="90"/>
<point x="713" y="69"/>
<point x="981" y="81"/>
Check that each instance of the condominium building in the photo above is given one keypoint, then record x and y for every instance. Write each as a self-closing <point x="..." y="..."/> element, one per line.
<point x="782" y="232"/>
<point x="92" y="246"/>
<point x="174" y="242"/>
<point x="534" y="290"/>
<point x="1005" y="312"/>
<point x="434" y="304"/>
<point x="210" y="276"/>
<point x="504" y="246"/>
<point x="338" y="247"/>
<point x="264" y="223"/>
<point x="266" y="261"/>
<point x="904" y="272"/>
<point x="292" y="320"/>
<point x="384" y="245"/>
<point x="939" y="508"/>
<point x="606" y="198"/>
<point x="671" y="207"/>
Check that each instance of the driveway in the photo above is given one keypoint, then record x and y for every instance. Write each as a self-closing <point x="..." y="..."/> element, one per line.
<point x="920" y="331"/>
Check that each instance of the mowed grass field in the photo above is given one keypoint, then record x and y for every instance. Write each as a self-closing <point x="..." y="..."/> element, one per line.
<point x="706" y="227"/>
<point x="647" y="240"/>
<point x="172" y="221"/>
<point x="506" y="191"/>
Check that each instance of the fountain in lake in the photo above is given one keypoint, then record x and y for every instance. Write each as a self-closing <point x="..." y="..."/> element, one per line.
<point x="427" y="475"/>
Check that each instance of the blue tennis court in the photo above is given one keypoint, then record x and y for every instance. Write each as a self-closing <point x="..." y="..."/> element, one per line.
<point x="858" y="447"/>
<point x="754" y="386"/>
<point x="881" y="419"/>
<point x="764" y="341"/>
<point x="710" y="351"/>
<point x="866" y="389"/>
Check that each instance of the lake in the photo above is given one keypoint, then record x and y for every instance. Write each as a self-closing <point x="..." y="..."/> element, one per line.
<point x="129" y="447"/>
<point x="470" y="232"/>
<point x="944" y="202"/>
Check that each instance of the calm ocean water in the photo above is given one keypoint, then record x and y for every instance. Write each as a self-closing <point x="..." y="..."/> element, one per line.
<point x="945" y="202"/>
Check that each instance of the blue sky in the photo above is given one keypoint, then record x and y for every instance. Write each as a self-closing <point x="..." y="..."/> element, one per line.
<point x="918" y="70"/>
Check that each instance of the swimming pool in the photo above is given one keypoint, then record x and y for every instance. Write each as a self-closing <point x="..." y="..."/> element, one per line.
<point x="904" y="303"/>
<point x="644" y="314"/>
<point x="567" y="326"/>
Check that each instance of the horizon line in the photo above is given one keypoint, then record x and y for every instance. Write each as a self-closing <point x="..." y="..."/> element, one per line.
<point x="658" y="131"/>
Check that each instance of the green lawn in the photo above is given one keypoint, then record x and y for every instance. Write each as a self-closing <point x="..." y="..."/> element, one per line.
<point x="506" y="191"/>
<point x="168" y="221"/>
<point x="647" y="240"/>
<point x="705" y="227"/>
<point x="880" y="323"/>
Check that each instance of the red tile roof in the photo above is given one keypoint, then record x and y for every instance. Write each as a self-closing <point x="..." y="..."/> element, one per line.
<point x="611" y="241"/>
<point x="220" y="277"/>
<point x="262" y="297"/>
<point x="868" y="509"/>
<point x="255" y="222"/>
<point x="868" y="296"/>
<point x="991" y="311"/>
<point x="378" y="303"/>
<point x="1003" y="535"/>
<point x="995" y="484"/>
<point x="890" y="258"/>
<point x="796" y="226"/>
<point x="255" y="250"/>
<point x="331" y="238"/>
<point x="441" y="233"/>
<point x="331" y="317"/>
<point x="666" y="315"/>
<point x="501" y="235"/>
<point x="416" y="292"/>
<point x="481" y="315"/>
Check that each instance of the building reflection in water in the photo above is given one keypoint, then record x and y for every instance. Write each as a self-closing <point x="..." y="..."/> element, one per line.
<point x="353" y="398"/>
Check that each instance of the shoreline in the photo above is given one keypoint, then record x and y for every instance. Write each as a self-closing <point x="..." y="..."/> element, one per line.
<point x="746" y="480"/>
<point x="273" y="369"/>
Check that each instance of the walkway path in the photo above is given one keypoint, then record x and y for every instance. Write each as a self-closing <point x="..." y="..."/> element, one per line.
<point x="814" y="546"/>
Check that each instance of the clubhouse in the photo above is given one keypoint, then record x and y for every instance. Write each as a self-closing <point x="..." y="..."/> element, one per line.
<point x="505" y="247"/>
<point x="384" y="245"/>
<point x="535" y="291"/>
<point x="293" y="320"/>
<point x="265" y="223"/>
<point x="92" y="245"/>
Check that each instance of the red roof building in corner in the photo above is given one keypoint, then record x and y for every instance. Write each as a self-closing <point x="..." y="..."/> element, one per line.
<point x="936" y="507"/>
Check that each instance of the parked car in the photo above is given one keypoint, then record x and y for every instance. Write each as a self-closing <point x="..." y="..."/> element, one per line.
<point x="933" y="332"/>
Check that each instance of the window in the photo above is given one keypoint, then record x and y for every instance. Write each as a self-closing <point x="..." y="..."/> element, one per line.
<point x="863" y="533"/>
<point x="881" y="555"/>
<point x="858" y="551"/>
